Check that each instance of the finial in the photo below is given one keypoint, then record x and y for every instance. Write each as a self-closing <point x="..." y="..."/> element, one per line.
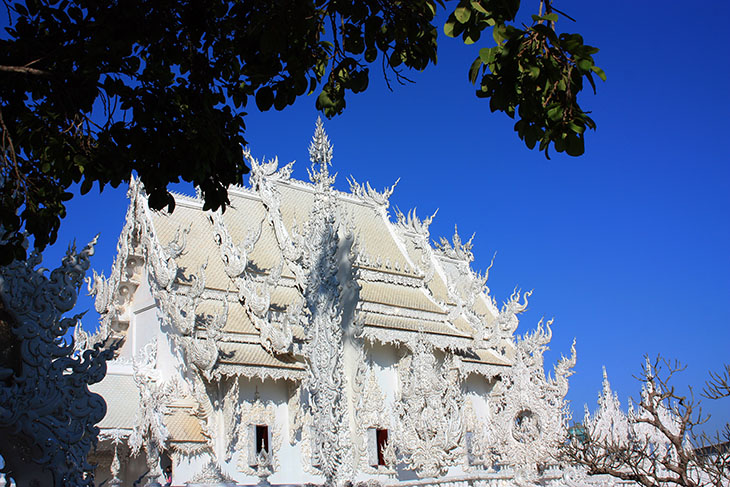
<point x="320" y="152"/>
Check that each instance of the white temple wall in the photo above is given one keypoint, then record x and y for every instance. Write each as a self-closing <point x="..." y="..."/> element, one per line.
<point x="143" y="317"/>
<point x="477" y="388"/>
<point x="185" y="467"/>
<point x="290" y="469"/>
<point x="385" y="363"/>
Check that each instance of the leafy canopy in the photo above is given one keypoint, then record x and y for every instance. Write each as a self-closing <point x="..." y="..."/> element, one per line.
<point x="92" y="91"/>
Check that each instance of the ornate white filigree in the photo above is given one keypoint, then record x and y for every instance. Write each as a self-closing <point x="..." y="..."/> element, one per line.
<point x="611" y="430"/>
<point x="295" y="411"/>
<point x="609" y="425"/>
<point x="211" y="474"/>
<point x="257" y="372"/>
<point x="507" y="321"/>
<point x="416" y="230"/>
<point x="456" y="249"/>
<point x="369" y="195"/>
<point x="264" y="177"/>
<point x="390" y="277"/>
<point x="391" y="336"/>
<point x="155" y="394"/>
<point x="320" y="153"/>
<point x="324" y="347"/>
<point x="370" y="411"/>
<point x="258" y="413"/>
<point x="529" y="410"/>
<point x="254" y="293"/>
<point x="45" y="403"/>
<point x="429" y="427"/>
<point x="645" y="432"/>
<point x="480" y="445"/>
<point x="232" y="414"/>
<point x="113" y="294"/>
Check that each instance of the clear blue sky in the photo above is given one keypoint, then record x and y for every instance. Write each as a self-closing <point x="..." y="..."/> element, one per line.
<point x="628" y="246"/>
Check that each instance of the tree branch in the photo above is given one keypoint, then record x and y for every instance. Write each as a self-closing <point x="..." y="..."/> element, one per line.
<point x="24" y="70"/>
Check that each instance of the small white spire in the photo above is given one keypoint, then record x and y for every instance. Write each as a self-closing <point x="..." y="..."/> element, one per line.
<point x="320" y="153"/>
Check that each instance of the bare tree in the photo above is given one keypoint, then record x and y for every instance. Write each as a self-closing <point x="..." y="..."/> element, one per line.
<point x="658" y="442"/>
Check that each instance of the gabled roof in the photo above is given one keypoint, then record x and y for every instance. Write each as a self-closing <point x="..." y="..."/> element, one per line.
<point x="236" y="268"/>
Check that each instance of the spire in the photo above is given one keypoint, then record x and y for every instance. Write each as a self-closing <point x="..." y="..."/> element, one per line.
<point x="320" y="152"/>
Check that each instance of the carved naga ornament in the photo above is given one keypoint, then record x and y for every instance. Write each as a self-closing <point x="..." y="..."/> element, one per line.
<point x="47" y="413"/>
<point x="254" y="293"/>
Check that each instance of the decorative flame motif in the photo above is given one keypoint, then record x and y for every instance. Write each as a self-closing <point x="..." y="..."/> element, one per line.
<point x="366" y="193"/>
<point x="459" y="250"/>
<point x="45" y="403"/>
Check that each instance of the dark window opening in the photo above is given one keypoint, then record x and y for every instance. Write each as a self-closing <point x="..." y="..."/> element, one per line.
<point x="381" y="437"/>
<point x="262" y="438"/>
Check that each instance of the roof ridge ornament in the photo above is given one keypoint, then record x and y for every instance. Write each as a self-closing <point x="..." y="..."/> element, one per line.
<point x="459" y="250"/>
<point x="320" y="152"/>
<point x="367" y="194"/>
<point x="410" y="222"/>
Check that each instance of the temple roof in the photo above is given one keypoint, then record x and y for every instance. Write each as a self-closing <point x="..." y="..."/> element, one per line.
<point x="242" y="268"/>
<point x="122" y="397"/>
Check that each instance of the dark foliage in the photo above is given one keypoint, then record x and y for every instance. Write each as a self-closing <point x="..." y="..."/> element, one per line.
<point x="92" y="91"/>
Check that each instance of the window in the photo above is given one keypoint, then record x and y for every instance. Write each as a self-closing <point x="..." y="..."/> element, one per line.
<point x="382" y="439"/>
<point x="259" y="443"/>
<point x="377" y="442"/>
<point x="262" y="438"/>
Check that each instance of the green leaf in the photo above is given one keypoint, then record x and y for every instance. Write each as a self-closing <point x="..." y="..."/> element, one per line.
<point x="487" y="54"/>
<point x="462" y="14"/>
<point x="477" y="5"/>
<point x="264" y="98"/>
<point x="449" y="29"/>
<point x="555" y="113"/>
<point x="80" y="159"/>
<point x="601" y="74"/>
<point x="324" y="102"/>
<point x="499" y="33"/>
<point x="86" y="186"/>
<point x="551" y="17"/>
<point x="585" y="64"/>
<point x="474" y="70"/>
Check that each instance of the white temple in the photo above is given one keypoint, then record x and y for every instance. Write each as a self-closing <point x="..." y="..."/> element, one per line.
<point x="303" y="337"/>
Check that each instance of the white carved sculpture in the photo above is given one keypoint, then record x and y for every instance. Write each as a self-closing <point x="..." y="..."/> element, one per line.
<point x="47" y="414"/>
<point x="260" y="463"/>
<point x="371" y="413"/>
<point x="429" y="422"/>
<point x="325" y="383"/>
<point x="149" y="430"/>
<point x="529" y="409"/>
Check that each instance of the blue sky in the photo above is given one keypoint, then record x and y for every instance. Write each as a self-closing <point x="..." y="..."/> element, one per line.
<point x="627" y="247"/>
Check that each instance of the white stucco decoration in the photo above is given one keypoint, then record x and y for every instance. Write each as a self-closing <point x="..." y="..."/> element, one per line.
<point x="47" y="414"/>
<point x="429" y="421"/>
<point x="258" y="413"/>
<point x="529" y="409"/>
<point x="336" y="280"/>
